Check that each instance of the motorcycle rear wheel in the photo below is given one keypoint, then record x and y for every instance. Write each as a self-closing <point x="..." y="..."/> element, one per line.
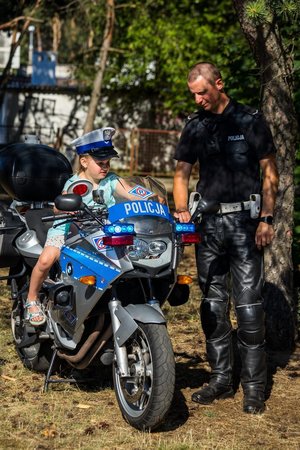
<point x="146" y="395"/>
<point x="36" y="356"/>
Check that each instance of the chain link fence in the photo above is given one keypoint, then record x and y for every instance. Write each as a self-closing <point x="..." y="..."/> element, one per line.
<point x="146" y="151"/>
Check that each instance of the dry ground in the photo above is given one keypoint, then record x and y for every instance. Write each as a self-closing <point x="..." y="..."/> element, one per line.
<point x="72" y="417"/>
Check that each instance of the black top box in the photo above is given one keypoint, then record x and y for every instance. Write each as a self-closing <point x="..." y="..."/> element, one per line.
<point x="33" y="172"/>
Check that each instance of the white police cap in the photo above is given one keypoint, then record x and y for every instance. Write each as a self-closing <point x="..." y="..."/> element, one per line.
<point x="97" y="143"/>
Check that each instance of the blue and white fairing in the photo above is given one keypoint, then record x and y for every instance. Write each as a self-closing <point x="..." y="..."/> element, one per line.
<point x="146" y="207"/>
<point x="152" y="254"/>
<point x="138" y="208"/>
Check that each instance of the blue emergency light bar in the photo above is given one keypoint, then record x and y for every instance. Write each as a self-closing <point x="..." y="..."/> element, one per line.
<point x="185" y="228"/>
<point x="118" y="228"/>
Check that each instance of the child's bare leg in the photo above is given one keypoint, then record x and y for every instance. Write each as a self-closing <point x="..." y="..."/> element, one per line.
<point x="40" y="271"/>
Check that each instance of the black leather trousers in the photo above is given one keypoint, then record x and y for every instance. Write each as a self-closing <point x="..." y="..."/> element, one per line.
<point x="228" y="260"/>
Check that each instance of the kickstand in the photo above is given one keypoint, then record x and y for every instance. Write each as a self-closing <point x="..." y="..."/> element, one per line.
<point x="49" y="380"/>
<point x="48" y="375"/>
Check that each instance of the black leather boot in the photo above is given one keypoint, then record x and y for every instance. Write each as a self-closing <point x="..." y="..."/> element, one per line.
<point x="213" y="391"/>
<point x="219" y="355"/>
<point x="253" y="378"/>
<point x="254" y="401"/>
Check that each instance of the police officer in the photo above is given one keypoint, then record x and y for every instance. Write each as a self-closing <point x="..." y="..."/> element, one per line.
<point x="236" y="156"/>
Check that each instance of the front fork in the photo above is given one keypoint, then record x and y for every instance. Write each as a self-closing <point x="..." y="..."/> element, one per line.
<point x="124" y="324"/>
<point x="120" y="351"/>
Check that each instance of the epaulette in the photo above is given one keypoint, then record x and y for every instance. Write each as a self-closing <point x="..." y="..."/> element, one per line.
<point x="195" y="115"/>
<point x="249" y="110"/>
<point x="247" y="114"/>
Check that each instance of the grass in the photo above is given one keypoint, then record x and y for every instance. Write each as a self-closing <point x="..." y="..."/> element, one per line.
<point x="71" y="417"/>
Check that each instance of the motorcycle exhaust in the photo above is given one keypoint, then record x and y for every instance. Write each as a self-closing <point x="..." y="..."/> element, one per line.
<point x="73" y="359"/>
<point x="99" y="344"/>
<point x="94" y="343"/>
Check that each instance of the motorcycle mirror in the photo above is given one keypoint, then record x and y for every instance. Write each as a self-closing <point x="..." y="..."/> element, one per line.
<point x="69" y="202"/>
<point x="98" y="196"/>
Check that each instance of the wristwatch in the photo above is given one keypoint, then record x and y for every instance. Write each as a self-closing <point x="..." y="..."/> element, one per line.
<point x="266" y="219"/>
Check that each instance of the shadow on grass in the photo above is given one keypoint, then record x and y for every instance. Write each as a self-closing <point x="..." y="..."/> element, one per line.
<point x="188" y="375"/>
<point x="95" y="379"/>
<point x="90" y="380"/>
<point x="282" y="359"/>
<point x="178" y="413"/>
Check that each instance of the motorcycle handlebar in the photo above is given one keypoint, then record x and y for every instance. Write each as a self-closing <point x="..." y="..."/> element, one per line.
<point x="61" y="217"/>
<point x="75" y="215"/>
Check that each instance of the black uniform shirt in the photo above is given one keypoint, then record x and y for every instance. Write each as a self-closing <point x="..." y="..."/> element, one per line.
<point x="228" y="147"/>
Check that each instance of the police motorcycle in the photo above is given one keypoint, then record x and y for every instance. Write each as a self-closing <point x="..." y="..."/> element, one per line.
<point x="103" y="300"/>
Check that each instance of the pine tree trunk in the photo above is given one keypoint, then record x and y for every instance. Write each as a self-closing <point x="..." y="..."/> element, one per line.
<point x="96" y="93"/>
<point x="276" y="69"/>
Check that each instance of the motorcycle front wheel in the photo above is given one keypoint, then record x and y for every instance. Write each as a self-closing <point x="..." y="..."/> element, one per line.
<point x="146" y="394"/>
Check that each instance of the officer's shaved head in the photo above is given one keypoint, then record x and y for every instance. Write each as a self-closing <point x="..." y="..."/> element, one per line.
<point x="205" y="69"/>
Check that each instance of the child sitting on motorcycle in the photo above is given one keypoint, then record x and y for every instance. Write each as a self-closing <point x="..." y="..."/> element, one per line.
<point x="95" y="151"/>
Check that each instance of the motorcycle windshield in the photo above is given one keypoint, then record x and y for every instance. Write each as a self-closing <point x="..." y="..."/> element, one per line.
<point x="140" y="188"/>
<point x="139" y="196"/>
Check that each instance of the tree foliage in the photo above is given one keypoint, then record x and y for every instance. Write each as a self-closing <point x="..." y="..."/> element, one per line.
<point x="160" y="40"/>
<point x="154" y="44"/>
<point x="286" y="14"/>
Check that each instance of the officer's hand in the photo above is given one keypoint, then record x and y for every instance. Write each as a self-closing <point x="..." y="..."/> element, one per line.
<point x="264" y="235"/>
<point x="182" y="216"/>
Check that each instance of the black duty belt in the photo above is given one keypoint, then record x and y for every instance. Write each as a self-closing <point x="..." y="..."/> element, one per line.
<point x="226" y="208"/>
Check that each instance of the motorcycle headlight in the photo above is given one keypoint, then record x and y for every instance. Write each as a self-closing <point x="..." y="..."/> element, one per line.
<point x="142" y="250"/>
<point x="157" y="247"/>
<point x="139" y="249"/>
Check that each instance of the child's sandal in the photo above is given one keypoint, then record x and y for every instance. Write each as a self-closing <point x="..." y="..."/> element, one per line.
<point x="33" y="315"/>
